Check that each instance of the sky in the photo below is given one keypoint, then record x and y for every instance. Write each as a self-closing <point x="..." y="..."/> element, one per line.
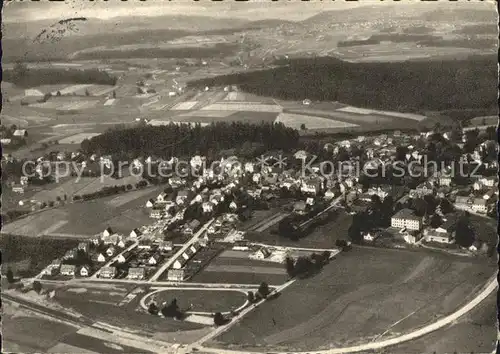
<point x="253" y="9"/>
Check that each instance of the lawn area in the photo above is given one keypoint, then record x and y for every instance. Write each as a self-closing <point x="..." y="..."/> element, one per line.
<point x="202" y="300"/>
<point x="357" y="297"/>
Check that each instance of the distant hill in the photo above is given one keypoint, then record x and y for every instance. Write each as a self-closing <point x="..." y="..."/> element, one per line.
<point x="464" y="15"/>
<point x="399" y="86"/>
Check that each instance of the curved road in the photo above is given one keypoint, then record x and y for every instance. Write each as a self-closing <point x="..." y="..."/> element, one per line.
<point x="243" y="291"/>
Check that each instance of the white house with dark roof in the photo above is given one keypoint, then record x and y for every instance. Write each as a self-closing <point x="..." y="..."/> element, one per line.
<point x="135" y="233"/>
<point x="137" y="273"/>
<point x="108" y="272"/>
<point x="176" y="274"/>
<point x="107" y="232"/>
<point x="68" y="270"/>
<point x="84" y="271"/>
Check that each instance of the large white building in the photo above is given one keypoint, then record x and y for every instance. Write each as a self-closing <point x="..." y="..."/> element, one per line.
<point x="406" y="218"/>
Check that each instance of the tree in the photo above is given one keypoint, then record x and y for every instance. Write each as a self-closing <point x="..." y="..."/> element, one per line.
<point x="464" y="235"/>
<point x="250" y="297"/>
<point x="446" y="206"/>
<point x="436" y="221"/>
<point x="354" y="231"/>
<point x="290" y="267"/>
<point x="219" y="319"/>
<point x="153" y="309"/>
<point x="302" y="126"/>
<point x="10" y="276"/>
<point x="58" y="93"/>
<point x="171" y="310"/>
<point x="87" y="93"/>
<point x="264" y="289"/>
<point x="419" y="206"/>
<point x="37" y="286"/>
<point x="114" y="94"/>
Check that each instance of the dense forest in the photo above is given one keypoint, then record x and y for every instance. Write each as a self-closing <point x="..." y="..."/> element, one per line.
<point x="22" y="76"/>
<point x="411" y="86"/>
<point x="185" y="140"/>
<point x="218" y="50"/>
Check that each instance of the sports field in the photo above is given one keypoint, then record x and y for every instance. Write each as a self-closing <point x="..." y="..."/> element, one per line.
<point x="202" y="300"/>
<point x="359" y="296"/>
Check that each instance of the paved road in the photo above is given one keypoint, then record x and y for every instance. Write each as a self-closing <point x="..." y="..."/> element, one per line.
<point x="188" y="244"/>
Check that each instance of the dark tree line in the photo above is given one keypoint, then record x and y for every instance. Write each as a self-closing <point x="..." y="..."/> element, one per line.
<point x="218" y="50"/>
<point x="185" y="140"/>
<point x="22" y="76"/>
<point x="445" y="84"/>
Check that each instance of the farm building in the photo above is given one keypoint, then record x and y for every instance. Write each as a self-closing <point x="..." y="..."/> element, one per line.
<point x="175" y="274"/>
<point x="135" y="233"/>
<point x="150" y="203"/>
<point x="67" y="269"/>
<point x="107" y="232"/>
<point x="110" y="251"/>
<point x="107" y="272"/>
<point x="99" y="258"/>
<point x="84" y="271"/>
<point x="120" y="259"/>
<point x="20" y="133"/>
<point x="145" y="244"/>
<point x="165" y="246"/>
<point x="50" y="270"/>
<point x="70" y="254"/>
<point x="262" y="253"/>
<point x="83" y="246"/>
<point x="136" y="273"/>
<point x="179" y="262"/>
<point x="154" y="259"/>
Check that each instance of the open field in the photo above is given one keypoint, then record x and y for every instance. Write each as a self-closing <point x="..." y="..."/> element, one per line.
<point x="358" y="110"/>
<point x="295" y="121"/>
<point x="78" y="138"/>
<point x="357" y="297"/>
<point x="236" y="267"/>
<point x="19" y="327"/>
<point x="202" y="300"/>
<point x="232" y="116"/>
<point x="126" y="317"/>
<point x="474" y="333"/>
<point x="85" y="219"/>
<point x="242" y="106"/>
<point x="184" y="106"/>
<point x="207" y="114"/>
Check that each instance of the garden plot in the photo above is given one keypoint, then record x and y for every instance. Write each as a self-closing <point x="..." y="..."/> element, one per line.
<point x="78" y="138"/>
<point x="184" y="106"/>
<point x="244" y="106"/>
<point x="310" y="122"/>
<point x="211" y="114"/>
